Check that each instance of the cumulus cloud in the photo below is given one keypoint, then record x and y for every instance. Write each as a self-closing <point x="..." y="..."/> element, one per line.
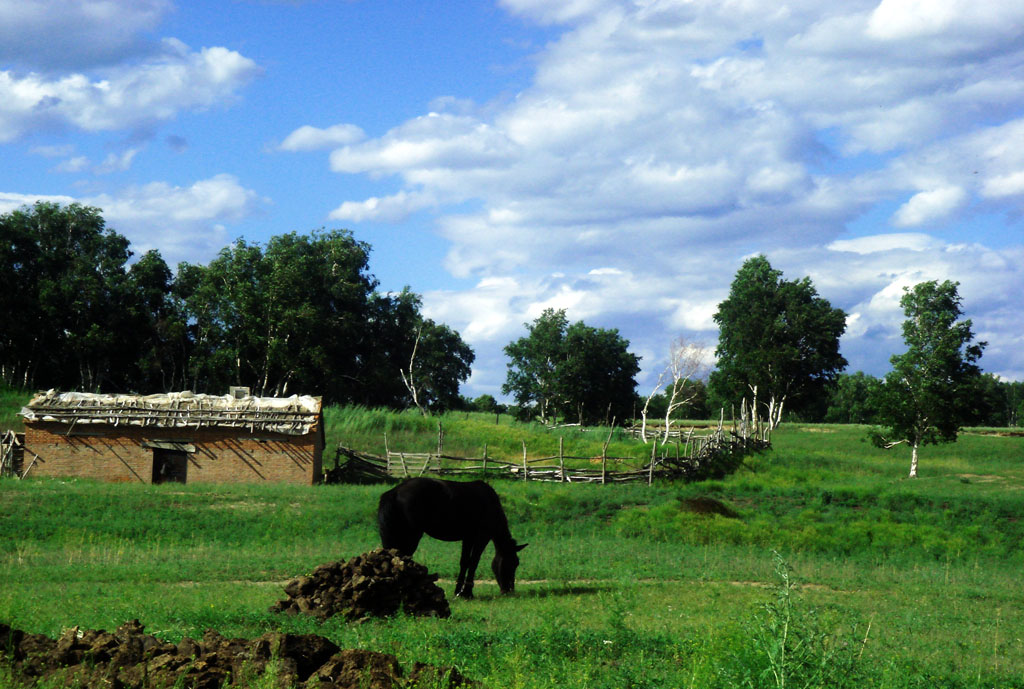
<point x="307" y="138"/>
<point x="184" y="223"/>
<point x="661" y="143"/>
<point x="390" y="208"/>
<point x="885" y="242"/>
<point x="117" y="162"/>
<point x="1011" y="184"/>
<point x="75" y="164"/>
<point x="128" y="96"/>
<point x="10" y="201"/>
<point x="92" y="32"/>
<point x="928" y="206"/>
<point x="958" y="21"/>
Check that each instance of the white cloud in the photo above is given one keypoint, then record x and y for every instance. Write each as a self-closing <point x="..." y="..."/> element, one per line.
<point x="425" y="143"/>
<point x="660" y="142"/>
<point x="957" y="20"/>
<point x="129" y="95"/>
<point x="10" y="201"/>
<point x="929" y="206"/>
<point x="390" y="208"/>
<point x="885" y="242"/>
<point x="117" y="162"/>
<point x="184" y="223"/>
<point x="76" y="164"/>
<point x="1011" y="184"/>
<point x="91" y="32"/>
<point x="307" y="138"/>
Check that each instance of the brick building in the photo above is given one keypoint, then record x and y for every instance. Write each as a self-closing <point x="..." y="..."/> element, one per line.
<point x="180" y="436"/>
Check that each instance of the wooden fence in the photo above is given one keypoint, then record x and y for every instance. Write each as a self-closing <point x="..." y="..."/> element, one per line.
<point x="712" y="454"/>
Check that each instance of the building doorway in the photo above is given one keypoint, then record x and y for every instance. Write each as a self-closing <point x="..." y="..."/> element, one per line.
<point x="169" y="466"/>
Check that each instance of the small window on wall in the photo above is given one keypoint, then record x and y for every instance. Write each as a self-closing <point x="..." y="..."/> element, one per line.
<point x="169" y="466"/>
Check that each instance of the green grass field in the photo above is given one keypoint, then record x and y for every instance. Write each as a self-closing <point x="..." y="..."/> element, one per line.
<point x="620" y="585"/>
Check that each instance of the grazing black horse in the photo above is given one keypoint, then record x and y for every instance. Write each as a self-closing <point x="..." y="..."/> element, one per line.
<point x="451" y="511"/>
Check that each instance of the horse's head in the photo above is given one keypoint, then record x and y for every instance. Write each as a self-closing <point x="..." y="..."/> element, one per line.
<point x="504" y="566"/>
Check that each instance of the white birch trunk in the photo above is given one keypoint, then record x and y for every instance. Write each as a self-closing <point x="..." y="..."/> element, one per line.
<point x="913" y="460"/>
<point x="643" y="412"/>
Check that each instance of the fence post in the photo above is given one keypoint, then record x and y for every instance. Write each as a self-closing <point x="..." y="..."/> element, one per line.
<point x="561" y="460"/>
<point x="604" y="452"/>
<point x="387" y="454"/>
<point x="525" y="470"/>
<point x="485" y="461"/>
<point x="650" y="470"/>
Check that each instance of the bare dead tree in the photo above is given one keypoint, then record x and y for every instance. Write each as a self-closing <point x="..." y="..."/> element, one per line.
<point x="410" y="384"/>
<point x="647" y="403"/>
<point x="686" y="362"/>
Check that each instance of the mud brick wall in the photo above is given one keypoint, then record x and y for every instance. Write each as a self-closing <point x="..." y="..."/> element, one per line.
<point x="223" y="455"/>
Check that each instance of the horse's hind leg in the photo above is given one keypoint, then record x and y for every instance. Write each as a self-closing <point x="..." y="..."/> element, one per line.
<point x="471" y="552"/>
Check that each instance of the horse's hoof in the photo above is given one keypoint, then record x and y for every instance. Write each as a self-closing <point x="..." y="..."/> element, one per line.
<point x="465" y="595"/>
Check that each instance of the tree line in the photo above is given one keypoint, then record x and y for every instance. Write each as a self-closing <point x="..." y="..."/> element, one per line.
<point x="300" y="313"/>
<point x="778" y="350"/>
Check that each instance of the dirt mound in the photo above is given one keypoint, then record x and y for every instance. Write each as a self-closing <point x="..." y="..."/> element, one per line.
<point x="131" y="659"/>
<point x="705" y="505"/>
<point x="375" y="584"/>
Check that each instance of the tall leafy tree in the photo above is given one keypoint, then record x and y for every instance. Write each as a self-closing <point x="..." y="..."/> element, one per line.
<point x="927" y="395"/>
<point x="64" y="280"/>
<point x="302" y="314"/>
<point x="853" y="399"/>
<point x="299" y="313"/>
<point x="532" y="377"/>
<point x="597" y="376"/>
<point x="777" y="338"/>
<point x="280" y="318"/>
<point x="398" y="342"/>
<point x="439" y="362"/>
<point x="573" y="370"/>
<point x="160" y="347"/>
<point x="995" y="402"/>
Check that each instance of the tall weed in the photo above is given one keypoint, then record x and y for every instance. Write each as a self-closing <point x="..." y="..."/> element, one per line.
<point x="790" y="646"/>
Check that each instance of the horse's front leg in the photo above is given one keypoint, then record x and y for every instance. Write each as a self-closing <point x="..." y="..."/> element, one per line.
<point x="471" y="552"/>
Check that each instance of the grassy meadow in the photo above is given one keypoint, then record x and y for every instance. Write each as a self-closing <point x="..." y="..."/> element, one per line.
<point x="838" y="571"/>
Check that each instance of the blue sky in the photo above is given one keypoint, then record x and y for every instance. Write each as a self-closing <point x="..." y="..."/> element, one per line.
<point x="617" y="159"/>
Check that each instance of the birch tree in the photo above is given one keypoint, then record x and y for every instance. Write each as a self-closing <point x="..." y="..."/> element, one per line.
<point x="925" y="398"/>
<point x="686" y="362"/>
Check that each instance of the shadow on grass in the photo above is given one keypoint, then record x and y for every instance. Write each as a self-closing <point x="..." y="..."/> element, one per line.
<point x="549" y="591"/>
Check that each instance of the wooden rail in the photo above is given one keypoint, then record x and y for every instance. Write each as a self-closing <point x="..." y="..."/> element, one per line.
<point x="716" y="454"/>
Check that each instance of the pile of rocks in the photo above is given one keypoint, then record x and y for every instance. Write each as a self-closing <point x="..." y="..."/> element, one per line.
<point x="375" y="584"/>
<point x="131" y="659"/>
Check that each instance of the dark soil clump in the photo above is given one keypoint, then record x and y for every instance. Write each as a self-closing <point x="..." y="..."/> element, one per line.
<point x="375" y="584"/>
<point x="705" y="505"/>
<point x="131" y="659"/>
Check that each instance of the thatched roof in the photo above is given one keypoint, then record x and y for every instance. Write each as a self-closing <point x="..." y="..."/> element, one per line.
<point x="295" y="415"/>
